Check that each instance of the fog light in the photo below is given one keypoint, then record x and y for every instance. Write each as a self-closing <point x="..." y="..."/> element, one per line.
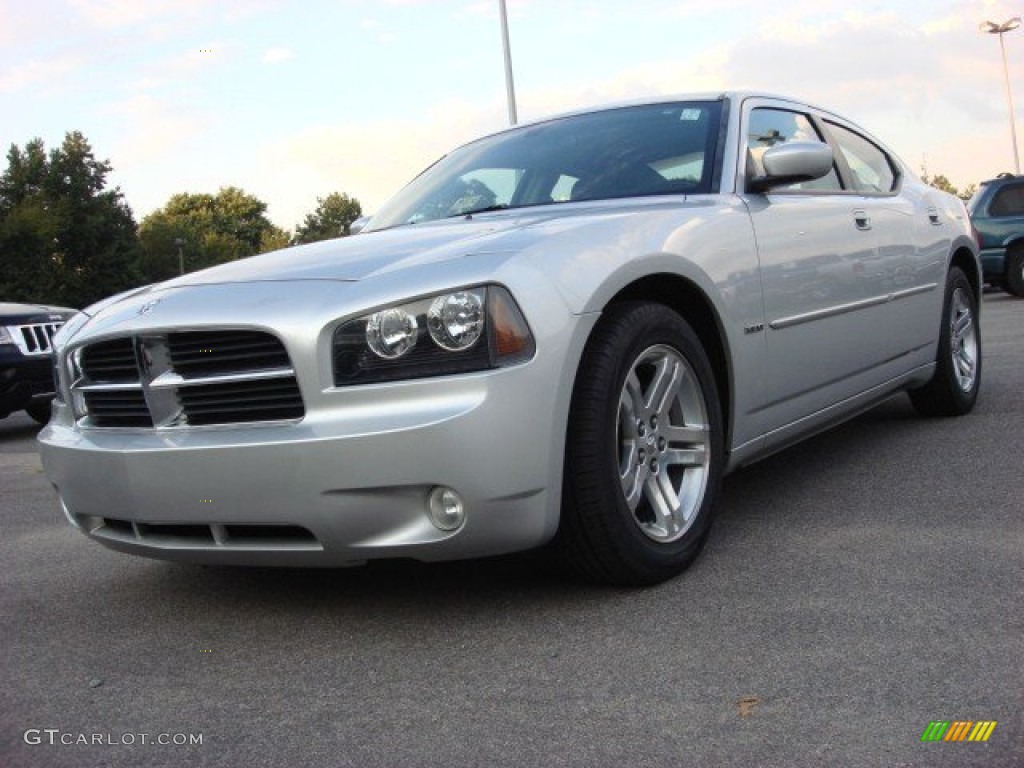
<point x="446" y="508"/>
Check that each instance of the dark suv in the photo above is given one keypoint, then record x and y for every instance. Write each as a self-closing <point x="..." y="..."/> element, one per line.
<point x="26" y="367"/>
<point x="997" y="212"/>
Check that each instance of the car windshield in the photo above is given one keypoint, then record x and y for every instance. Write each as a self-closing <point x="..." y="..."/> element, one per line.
<point x="658" y="149"/>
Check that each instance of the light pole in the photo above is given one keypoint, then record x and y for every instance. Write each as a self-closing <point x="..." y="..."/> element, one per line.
<point x="510" y="88"/>
<point x="1000" y="29"/>
<point x="180" y="241"/>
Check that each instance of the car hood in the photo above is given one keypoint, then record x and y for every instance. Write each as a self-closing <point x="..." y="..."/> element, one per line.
<point x="372" y="253"/>
<point x="359" y="257"/>
<point x="13" y="314"/>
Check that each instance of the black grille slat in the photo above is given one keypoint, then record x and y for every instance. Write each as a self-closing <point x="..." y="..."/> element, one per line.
<point x="243" y="416"/>
<point x="227" y="406"/>
<point x="31" y="338"/>
<point x="110" y="361"/>
<point x="117" y="408"/>
<point x="205" y="353"/>
<point x="260" y="400"/>
<point x="226" y="393"/>
<point x="231" y="535"/>
<point x="35" y="339"/>
<point x="250" y="380"/>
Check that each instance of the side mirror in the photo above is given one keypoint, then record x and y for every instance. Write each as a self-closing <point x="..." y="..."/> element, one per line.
<point x="792" y="162"/>
<point x="357" y="226"/>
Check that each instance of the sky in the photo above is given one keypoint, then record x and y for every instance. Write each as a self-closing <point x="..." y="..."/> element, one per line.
<point x="294" y="100"/>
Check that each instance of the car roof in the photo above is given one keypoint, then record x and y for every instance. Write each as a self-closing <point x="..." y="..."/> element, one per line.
<point x="731" y="95"/>
<point x="1002" y="177"/>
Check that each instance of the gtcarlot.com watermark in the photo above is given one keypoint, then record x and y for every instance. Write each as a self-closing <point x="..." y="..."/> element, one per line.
<point x="58" y="737"/>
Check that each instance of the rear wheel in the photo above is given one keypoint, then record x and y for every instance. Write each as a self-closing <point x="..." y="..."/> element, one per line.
<point x="954" y="387"/>
<point x="1014" y="280"/>
<point x="644" y="449"/>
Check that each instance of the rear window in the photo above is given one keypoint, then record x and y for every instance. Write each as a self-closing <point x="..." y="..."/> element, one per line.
<point x="1008" y="201"/>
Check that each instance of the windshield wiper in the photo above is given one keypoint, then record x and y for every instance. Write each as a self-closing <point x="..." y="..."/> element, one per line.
<point x="485" y="209"/>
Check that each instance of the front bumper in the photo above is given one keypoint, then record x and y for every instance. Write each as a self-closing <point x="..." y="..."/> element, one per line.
<point x="340" y="487"/>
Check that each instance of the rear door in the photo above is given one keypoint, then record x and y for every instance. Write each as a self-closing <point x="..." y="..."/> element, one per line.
<point x="912" y="236"/>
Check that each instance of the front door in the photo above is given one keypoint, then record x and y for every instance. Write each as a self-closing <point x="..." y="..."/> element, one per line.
<point x="822" y="277"/>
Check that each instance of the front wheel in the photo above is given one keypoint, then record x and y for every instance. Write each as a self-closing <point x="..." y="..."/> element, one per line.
<point x="953" y="389"/>
<point x="644" y="449"/>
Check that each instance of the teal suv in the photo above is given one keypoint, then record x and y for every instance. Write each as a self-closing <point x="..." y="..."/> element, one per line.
<point x="997" y="213"/>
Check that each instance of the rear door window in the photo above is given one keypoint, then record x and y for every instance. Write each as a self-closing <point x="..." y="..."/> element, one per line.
<point x="871" y="168"/>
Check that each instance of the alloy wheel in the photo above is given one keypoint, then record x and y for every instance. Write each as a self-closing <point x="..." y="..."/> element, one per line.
<point x="664" y="443"/>
<point x="963" y="337"/>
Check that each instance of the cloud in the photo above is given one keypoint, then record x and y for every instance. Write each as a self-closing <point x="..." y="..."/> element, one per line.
<point x="39" y="73"/>
<point x="369" y="161"/>
<point x="904" y="72"/>
<point x="891" y="78"/>
<point x="154" y="130"/>
<point x="123" y="13"/>
<point x="277" y="55"/>
<point x="381" y="35"/>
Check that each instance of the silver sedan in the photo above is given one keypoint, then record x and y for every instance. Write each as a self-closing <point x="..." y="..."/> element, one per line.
<point x="567" y="330"/>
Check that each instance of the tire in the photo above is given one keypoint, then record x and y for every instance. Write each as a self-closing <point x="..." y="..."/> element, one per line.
<point x="39" y="411"/>
<point x="644" y="449"/>
<point x="953" y="389"/>
<point x="1014" y="280"/>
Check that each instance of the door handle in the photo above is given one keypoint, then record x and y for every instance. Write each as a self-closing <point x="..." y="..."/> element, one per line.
<point x="933" y="217"/>
<point x="861" y="219"/>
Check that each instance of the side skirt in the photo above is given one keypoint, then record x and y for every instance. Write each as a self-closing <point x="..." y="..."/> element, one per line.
<point x="825" y="419"/>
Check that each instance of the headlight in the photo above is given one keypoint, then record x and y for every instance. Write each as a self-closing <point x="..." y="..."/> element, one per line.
<point x="392" y="333"/>
<point x="456" y="320"/>
<point x="471" y="329"/>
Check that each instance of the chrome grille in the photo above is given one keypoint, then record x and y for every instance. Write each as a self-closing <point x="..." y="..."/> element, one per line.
<point x="35" y="339"/>
<point x="186" y="378"/>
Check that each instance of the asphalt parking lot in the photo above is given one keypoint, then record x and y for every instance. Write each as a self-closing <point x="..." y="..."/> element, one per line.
<point x="855" y="589"/>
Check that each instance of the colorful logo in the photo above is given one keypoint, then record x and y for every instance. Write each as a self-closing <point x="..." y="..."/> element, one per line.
<point x="958" y="730"/>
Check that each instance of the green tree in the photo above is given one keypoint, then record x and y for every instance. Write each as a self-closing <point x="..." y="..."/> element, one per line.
<point x="275" y="239"/>
<point x="333" y="216"/>
<point x="65" y="237"/>
<point x="941" y="182"/>
<point x="209" y="229"/>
